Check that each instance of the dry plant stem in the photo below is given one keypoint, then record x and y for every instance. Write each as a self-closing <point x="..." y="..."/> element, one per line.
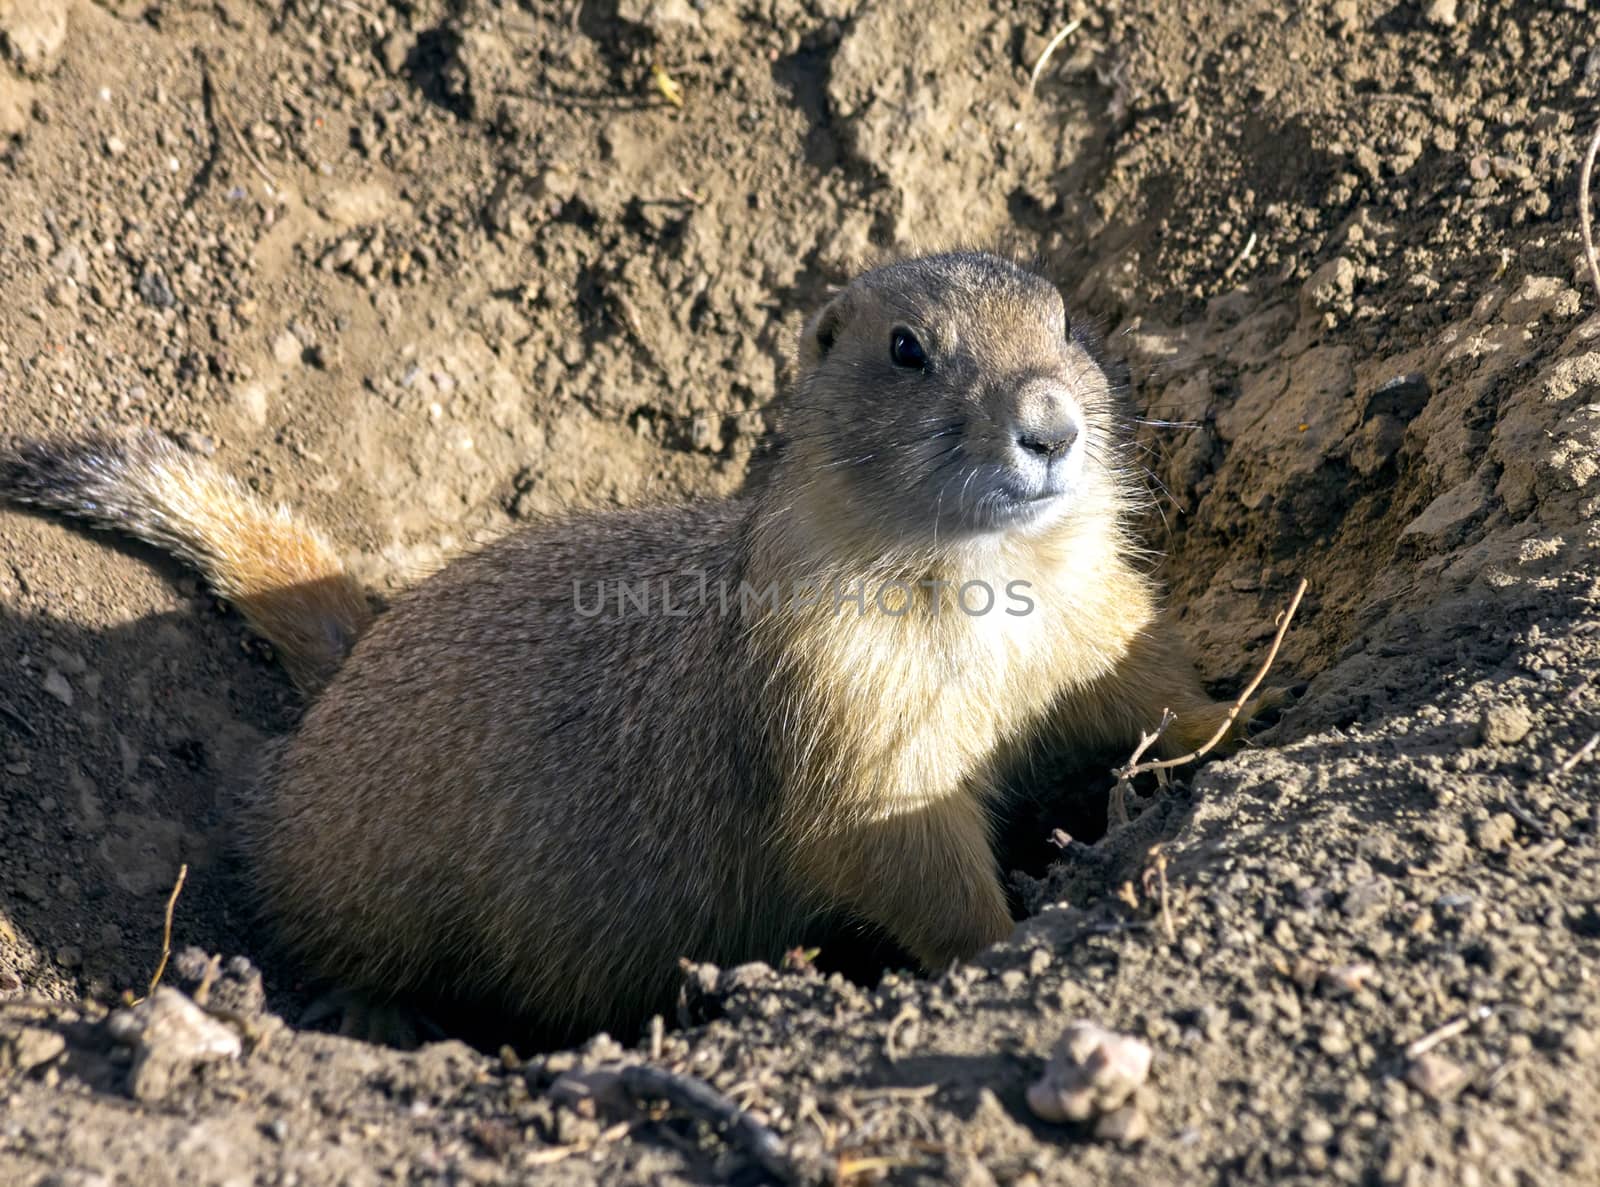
<point x="1448" y="1031"/>
<point x="1284" y="619"/>
<point x="22" y="722"/>
<point x="1581" y="753"/>
<point x="905" y="1017"/>
<point x="1166" y="909"/>
<point x="705" y="1102"/>
<point x="166" y="931"/>
<point x="1584" y="225"/>
<point x="1067" y="31"/>
<point x="1239" y="260"/>
<point x="1117" y="807"/>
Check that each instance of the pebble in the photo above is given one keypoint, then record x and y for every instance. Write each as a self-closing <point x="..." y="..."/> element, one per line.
<point x="1435" y="1077"/>
<point x="56" y="685"/>
<point x="1440" y="12"/>
<point x="154" y="288"/>
<point x="170" y="1036"/>
<point x="32" y="33"/>
<point x="286" y="349"/>
<point x="1316" y="1132"/>
<point x="1494" y="834"/>
<point x="1505" y="725"/>
<point x="28" y="1047"/>
<point x="1092" y="1072"/>
<point x="1345" y="979"/>
<point x="1125" y="1126"/>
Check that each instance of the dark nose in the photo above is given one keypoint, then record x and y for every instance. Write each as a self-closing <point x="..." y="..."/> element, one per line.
<point x="1051" y="443"/>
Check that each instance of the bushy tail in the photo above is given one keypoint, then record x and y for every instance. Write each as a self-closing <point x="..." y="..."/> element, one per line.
<point x="283" y="577"/>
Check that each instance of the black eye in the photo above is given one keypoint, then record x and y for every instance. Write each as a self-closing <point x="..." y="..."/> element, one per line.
<point x="906" y="351"/>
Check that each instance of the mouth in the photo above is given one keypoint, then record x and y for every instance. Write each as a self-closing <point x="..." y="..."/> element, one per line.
<point x="1004" y="508"/>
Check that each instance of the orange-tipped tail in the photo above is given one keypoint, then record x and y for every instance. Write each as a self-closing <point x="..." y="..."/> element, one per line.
<point x="283" y="577"/>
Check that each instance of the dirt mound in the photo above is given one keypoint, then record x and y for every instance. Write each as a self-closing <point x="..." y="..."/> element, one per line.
<point x="428" y="269"/>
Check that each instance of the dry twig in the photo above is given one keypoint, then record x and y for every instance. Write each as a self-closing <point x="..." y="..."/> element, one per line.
<point x="695" y="1096"/>
<point x="1583" y="209"/>
<point x="907" y="1016"/>
<point x="22" y="722"/>
<point x="166" y="930"/>
<point x="1158" y="874"/>
<point x="1134" y="767"/>
<point x="1448" y="1031"/>
<point x="1050" y="48"/>
<point x="1581" y="753"/>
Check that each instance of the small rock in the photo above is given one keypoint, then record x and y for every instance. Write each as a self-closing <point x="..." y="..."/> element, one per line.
<point x="1126" y="1126"/>
<point x="154" y="289"/>
<point x="115" y="146"/>
<point x="1092" y="1071"/>
<point x="1345" y="979"/>
<point x="1316" y="1132"/>
<point x="1330" y="286"/>
<point x="1440" y="12"/>
<point x="394" y="51"/>
<point x="1494" y="834"/>
<point x="170" y="1036"/>
<point x="661" y="17"/>
<point x="32" y="33"/>
<point x="1435" y="1077"/>
<point x="56" y="685"/>
<point x="1505" y="725"/>
<point x="28" y="1047"/>
<point x="286" y="349"/>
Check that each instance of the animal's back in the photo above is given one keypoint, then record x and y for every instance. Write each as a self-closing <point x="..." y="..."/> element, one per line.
<point x="519" y="759"/>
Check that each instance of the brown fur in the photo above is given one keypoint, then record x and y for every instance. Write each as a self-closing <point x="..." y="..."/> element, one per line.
<point x="504" y="800"/>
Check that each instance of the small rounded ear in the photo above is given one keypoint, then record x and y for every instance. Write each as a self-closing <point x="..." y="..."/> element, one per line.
<point x="821" y="332"/>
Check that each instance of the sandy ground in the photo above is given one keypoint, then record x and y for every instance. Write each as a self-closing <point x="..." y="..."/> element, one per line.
<point x="424" y="270"/>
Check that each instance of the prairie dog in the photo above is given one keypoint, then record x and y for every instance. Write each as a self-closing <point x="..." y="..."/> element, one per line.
<point x="599" y="745"/>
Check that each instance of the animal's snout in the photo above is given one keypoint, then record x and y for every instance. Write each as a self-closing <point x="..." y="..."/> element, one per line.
<point x="1049" y="443"/>
<point x="1047" y="421"/>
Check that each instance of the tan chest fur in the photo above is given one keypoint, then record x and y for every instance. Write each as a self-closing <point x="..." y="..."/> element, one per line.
<point x="887" y="713"/>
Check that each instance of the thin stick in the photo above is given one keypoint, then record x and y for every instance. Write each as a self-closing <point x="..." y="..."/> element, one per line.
<point x="1583" y="209"/>
<point x="1067" y="31"/>
<point x="1117" y="804"/>
<point x="906" y="1017"/>
<point x="1284" y="619"/>
<point x="166" y="931"/>
<point x="895" y="1092"/>
<point x="249" y="153"/>
<point x="11" y="714"/>
<point x="1239" y="260"/>
<point x="1161" y="880"/>
<point x="1448" y="1031"/>
<point x="696" y="1096"/>
<point x="1581" y="753"/>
